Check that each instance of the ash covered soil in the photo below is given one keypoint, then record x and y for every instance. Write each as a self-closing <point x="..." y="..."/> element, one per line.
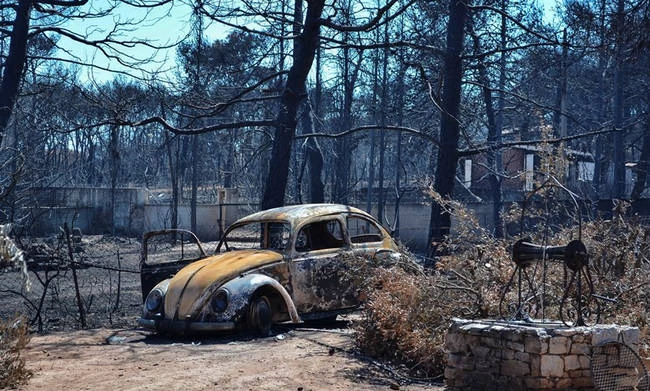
<point x="111" y="353"/>
<point x="299" y="359"/>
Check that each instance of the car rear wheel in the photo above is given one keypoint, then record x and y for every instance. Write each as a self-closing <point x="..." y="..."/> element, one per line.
<point x="260" y="316"/>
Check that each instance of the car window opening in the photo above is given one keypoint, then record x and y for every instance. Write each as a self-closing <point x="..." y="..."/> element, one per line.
<point x="258" y="236"/>
<point x="363" y="230"/>
<point x="319" y="236"/>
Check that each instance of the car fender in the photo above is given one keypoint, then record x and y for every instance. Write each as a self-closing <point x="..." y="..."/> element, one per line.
<point x="241" y="290"/>
<point x="162" y="287"/>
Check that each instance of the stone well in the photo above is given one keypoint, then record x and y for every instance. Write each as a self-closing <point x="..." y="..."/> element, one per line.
<point x="499" y="355"/>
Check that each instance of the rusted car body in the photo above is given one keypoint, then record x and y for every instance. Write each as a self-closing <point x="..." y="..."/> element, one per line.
<point x="284" y="264"/>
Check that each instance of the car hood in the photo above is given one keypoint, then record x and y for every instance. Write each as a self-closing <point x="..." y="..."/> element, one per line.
<point x="192" y="281"/>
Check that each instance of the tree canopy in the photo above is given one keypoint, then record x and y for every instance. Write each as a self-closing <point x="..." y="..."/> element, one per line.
<point x="374" y="100"/>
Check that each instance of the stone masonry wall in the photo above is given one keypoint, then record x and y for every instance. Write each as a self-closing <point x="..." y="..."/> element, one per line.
<point x="491" y="355"/>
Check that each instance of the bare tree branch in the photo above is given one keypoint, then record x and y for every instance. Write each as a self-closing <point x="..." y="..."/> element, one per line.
<point x="338" y="44"/>
<point x="206" y="129"/>
<point x="220" y="107"/>
<point x="64" y="3"/>
<point x="517" y="22"/>
<point x="405" y="129"/>
<point x="372" y="23"/>
<point x="557" y="140"/>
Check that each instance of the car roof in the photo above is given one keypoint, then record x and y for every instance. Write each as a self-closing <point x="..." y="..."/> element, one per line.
<point x="297" y="213"/>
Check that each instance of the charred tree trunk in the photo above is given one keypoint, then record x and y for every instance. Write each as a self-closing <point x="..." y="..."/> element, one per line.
<point x="346" y="144"/>
<point x="230" y="157"/>
<point x="314" y="153"/>
<point x="342" y="166"/>
<point x="313" y="157"/>
<point x="493" y="137"/>
<point x="173" y="175"/>
<point x="316" y="185"/>
<point x="14" y="64"/>
<point x="293" y="93"/>
<point x="559" y="117"/>
<point x="381" y="197"/>
<point x="195" y="181"/>
<point x="447" y="161"/>
<point x="497" y="180"/>
<point x="373" y="135"/>
<point x="599" y="159"/>
<point x="343" y="144"/>
<point x="644" y="160"/>
<point x="73" y="267"/>
<point x="398" y="157"/>
<point x="198" y="90"/>
<point x="619" y="148"/>
<point x="115" y="167"/>
<point x="92" y="170"/>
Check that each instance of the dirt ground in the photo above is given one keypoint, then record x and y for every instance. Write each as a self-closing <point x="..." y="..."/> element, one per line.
<point x="298" y="359"/>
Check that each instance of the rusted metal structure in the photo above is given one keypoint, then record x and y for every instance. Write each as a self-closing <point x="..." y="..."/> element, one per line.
<point x="578" y="305"/>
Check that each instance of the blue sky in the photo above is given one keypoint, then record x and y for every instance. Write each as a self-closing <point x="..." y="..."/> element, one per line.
<point x="160" y="26"/>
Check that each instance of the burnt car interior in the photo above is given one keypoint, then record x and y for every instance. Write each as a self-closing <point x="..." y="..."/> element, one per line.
<point x="278" y="236"/>
<point x="319" y="236"/>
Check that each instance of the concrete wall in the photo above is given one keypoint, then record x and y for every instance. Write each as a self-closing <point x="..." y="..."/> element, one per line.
<point x="90" y="210"/>
<point x="211" y="220"/>
<point x="413" y="222"/>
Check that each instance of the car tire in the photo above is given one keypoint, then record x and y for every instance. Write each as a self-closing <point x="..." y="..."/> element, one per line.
<point x="260" y="316"/>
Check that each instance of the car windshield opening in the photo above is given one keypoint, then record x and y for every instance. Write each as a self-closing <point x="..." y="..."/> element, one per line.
<point x="258" y="236"/>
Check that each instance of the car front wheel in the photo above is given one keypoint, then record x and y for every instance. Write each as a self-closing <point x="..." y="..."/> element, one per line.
<point x="260" y="316"/>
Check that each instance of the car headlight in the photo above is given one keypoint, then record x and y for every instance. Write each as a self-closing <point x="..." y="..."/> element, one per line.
<point x="219" y="301"/>
<point x="154" y="300"/>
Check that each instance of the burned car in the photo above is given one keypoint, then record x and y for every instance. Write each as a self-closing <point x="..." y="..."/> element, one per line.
<point x="290" y="263"/>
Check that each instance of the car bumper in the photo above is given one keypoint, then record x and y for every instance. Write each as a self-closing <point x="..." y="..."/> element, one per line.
<point x="183" y="326"/>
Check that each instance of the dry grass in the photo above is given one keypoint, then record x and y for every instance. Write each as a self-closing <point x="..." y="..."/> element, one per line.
<point x="402" y="323"/>
<point x="407" y="311"/>
<point x="14" y="336"/>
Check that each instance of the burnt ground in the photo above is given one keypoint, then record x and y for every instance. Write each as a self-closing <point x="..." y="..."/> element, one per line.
<point x="118" y="359"/>
<point x="111" y="353"/>
<point x="107" y="275"/>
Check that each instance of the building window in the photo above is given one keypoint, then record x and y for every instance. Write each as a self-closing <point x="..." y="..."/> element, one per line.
<point x="529" y="169"/>
<point x="586" y="171"/>
<point x="467" y="178"/>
